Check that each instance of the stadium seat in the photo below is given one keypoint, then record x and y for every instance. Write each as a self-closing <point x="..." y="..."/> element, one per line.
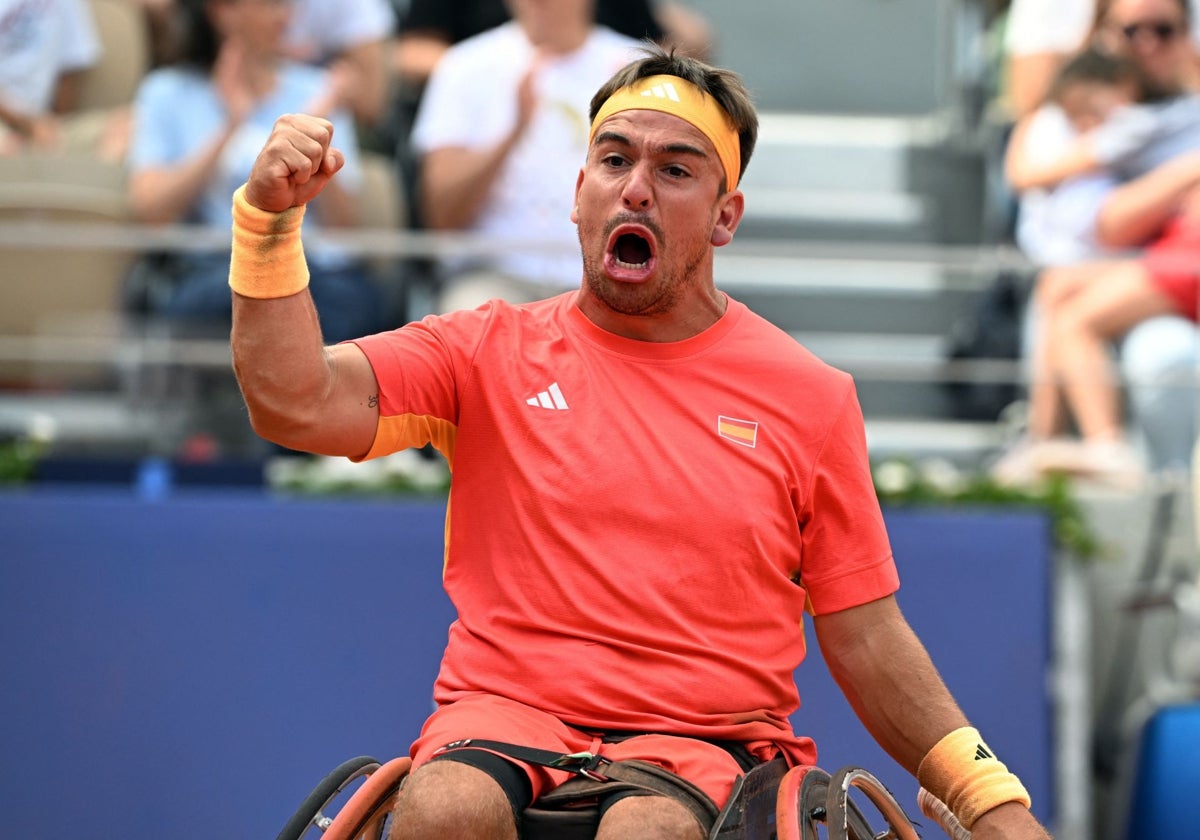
<point x="125" y="58"/>
<point x="58" y="286"/>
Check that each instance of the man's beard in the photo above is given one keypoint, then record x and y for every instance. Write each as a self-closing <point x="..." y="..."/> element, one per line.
<point x="652" y="297"/>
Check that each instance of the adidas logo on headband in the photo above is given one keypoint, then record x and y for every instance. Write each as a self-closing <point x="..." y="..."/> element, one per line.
<point x="663" y="91"/>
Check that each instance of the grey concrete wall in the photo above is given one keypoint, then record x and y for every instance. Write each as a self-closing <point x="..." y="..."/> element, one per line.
<point x="839" y="56"/>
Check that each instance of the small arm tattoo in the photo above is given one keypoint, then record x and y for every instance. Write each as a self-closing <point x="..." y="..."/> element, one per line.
<point x="373" y="401"/>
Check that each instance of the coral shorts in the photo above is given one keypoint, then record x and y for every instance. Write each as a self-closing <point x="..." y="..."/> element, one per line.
<point x="1173" y="263"/>
<point x="706" y="765"/>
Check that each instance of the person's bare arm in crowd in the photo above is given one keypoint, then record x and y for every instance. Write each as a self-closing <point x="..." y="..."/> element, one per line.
<point x="1029" y="78"/>
<point x="415" y="53"/>
<point x="1023" y="172"/>
<point x="166" y="193"/>
<point x="1136" y="212"/>
<point x="66" y="91"/>
<point x="300" y="394"/>
<point x="456" y="181"/>
<point x="366" y="95"/>
<point x="894" y="688"/>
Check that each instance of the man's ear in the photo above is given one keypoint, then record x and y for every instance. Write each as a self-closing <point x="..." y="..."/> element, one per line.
<point x="575" y="209"/>
<point x="733" y="205"/>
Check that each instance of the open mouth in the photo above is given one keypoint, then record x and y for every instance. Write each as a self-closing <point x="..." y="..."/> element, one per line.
<point x="630" y="253"/>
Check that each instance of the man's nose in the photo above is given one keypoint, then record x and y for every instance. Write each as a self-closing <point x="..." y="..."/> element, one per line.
<point x="637" y="194"/>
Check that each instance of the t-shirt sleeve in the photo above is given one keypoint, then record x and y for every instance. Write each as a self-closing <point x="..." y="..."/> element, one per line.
<point x="155" y="114"/>
<point x="450" y="113"/>
<point x="1046" y="26"/>
<point x="80" y="47"/>
<point x="846" y="557"/>
<point x="421" y="369"/>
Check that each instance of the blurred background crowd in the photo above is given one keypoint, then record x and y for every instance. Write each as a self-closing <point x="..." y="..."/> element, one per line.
<point x="1068" y="133"/>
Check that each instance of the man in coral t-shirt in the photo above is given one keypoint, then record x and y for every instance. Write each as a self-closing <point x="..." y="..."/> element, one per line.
<point x="651" y="486"/>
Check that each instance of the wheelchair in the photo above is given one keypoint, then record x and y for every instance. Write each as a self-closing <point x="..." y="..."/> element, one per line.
<point x="770" y="802"/>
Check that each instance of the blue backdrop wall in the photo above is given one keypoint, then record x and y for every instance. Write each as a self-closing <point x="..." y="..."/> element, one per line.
<point x="190" y="667"/>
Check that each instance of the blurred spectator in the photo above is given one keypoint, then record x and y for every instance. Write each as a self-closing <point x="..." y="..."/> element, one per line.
<point x="1040" y="36"/>
<point x="1082" y="305"/>
<point x="432" y="26"/>
<point x="45" y="45"/>
<point x="1097" y="92"/>
<point x="162" y="24"/>
<point x="198" y="128"/>
<point x="1085" y="307"/>
<point x="350" y="38"/>
<point x="501" y="132"/>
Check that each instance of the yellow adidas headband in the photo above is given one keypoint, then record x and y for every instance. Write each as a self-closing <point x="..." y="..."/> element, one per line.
<point x="679" y="97"/>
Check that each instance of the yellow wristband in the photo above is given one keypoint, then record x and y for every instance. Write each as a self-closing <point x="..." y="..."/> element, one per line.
<point x="964" y="773"/>
<point x="268" y="256"/>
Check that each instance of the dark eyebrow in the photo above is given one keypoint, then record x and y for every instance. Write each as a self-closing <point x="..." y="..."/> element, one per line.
<point x="672" y="148"/>
<point x="684" y="149"/>
<point x="611" y="137"/>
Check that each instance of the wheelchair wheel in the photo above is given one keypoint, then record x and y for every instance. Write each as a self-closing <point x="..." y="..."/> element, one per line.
<point x="841" y="811"/>
<point x="800" y="803"/>
<point x="366" y="813"/>
<point x="309" y="812"/>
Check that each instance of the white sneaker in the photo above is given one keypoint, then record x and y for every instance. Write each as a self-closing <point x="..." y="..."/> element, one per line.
<point x="1111" y="462"/>
<point x="1017" y="466"/>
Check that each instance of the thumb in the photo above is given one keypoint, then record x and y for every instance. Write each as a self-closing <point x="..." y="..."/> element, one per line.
<point x="332" y="162"/>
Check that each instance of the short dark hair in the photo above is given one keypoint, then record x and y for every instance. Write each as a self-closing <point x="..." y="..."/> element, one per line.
<point x="725" y="86"/>
<point x="199" y="42"/>
<point x="1097" y="66"/>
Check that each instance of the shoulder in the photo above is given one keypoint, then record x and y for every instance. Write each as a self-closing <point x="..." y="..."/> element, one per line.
<point x="492" y="45"/>
<point x="777" y="356"/>
<point x="173" y="81"/>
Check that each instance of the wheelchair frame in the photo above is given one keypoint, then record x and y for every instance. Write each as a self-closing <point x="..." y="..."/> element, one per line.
<point x="770" y="802"/>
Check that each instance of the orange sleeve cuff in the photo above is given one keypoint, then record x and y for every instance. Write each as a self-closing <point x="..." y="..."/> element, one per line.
<point x="267" y="260"/>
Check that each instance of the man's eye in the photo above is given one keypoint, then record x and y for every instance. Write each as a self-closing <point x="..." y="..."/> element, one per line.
<point x="614" y="161"/>
<point x="677" y="172"/>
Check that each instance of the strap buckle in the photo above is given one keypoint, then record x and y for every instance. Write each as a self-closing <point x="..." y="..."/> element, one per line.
<point x="586" y="764"/>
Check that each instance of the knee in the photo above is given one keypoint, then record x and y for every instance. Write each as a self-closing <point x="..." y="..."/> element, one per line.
<point x="649" y="818"/>
<point x="448" y="799"/>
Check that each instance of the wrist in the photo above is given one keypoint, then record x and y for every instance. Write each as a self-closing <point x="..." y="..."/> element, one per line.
<point x="963" y="772"/>
<point x="267" y="257"/>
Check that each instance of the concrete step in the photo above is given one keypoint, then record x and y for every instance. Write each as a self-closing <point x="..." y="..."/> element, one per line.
<point x="852" y="296"/>
<point x="860" y="178"/>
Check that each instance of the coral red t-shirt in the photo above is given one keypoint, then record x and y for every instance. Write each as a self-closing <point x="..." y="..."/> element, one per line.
<point x="635" y="529"/>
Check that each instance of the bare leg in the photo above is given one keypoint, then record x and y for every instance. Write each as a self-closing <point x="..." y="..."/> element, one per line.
<point x="1056" y="287"/>
<point x="445" y="799"/>
<point x="1103" y="310"/>
<point x="649" y="818"/>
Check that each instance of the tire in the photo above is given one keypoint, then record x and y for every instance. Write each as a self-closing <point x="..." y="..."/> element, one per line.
<point x="800" y="804"/>
<point x="845" y="817"/>
<point x="329" y="787"/>
<point x="369" y="805"/>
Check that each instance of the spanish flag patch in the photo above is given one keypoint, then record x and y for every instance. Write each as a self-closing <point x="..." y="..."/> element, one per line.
<point x="744" y="432"/>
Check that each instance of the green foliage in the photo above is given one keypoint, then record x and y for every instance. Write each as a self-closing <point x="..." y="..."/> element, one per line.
<point x="903" y="483"/>
<point x="18" y="459"/>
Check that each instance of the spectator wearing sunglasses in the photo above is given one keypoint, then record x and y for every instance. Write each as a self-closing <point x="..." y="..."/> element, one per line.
<point x="1094" y="292"/>
<point x="1041" y="35"/>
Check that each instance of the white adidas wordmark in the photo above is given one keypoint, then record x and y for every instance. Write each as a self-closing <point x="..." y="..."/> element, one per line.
<point x="663" y="91"/>
<point x="551" y="398"/>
